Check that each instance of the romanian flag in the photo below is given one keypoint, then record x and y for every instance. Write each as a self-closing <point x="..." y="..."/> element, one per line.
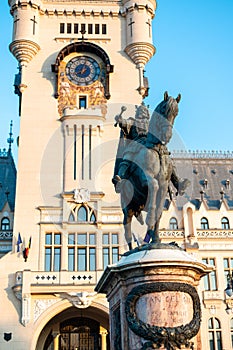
<point x="26" y="250"/>
<point x="19" y="241"/>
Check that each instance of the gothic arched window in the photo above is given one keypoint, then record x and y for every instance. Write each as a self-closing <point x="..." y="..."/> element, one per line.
<point x="225" y="223"/>
<point x="173" y="224"/>
<point x="71" y="218"/>
<point x="5" y="224"/>
<point x="204" y="224"/>
<point x="215" y="334"/>
<point x="93" y="218"/>
<point x="82" y="214"/>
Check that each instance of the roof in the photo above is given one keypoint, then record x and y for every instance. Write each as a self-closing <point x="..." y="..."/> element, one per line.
<point x="211" y="176"/>
<point x="7" y="179"/>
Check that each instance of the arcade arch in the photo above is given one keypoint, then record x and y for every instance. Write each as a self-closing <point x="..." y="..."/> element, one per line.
<point x="76" y="328"/>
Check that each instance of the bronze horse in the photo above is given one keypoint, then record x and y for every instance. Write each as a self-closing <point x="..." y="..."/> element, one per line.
<point x="150" y="172"/>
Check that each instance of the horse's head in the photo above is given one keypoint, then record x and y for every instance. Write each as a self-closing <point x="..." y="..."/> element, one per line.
<point x="163" y="118"/>
<point x="168" y="108"/>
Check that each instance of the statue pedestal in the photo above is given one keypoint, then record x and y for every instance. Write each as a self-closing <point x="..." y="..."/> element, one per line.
<point x="153" y="299"/>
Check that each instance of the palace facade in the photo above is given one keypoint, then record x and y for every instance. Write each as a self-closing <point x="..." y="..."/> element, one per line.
<point x="79" y="63"/>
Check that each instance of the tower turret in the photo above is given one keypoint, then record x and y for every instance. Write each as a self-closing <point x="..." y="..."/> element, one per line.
<point x="25" y="40"/>
<point x="139" y="46"/>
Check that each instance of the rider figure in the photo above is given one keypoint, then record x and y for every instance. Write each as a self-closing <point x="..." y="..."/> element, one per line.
<point x="135" y="134"/>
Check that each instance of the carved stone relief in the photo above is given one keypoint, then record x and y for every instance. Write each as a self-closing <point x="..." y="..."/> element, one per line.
<point x="40" y="305"/>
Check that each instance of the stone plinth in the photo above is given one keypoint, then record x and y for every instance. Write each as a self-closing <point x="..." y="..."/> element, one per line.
<point x="153" y="298"/>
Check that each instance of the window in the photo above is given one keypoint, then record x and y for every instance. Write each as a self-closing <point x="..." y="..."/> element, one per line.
<point x="82" y="259"/>
<point x="97" y="28"/>
<point x="69" y="28"/>
<point x="52" y="252"/>
<point x="90" y="28"/>
<point x="71" y="260"/>
<point x="82" y="214"/>
<point x="82" y="102"/>
<point x="210" y="280"/>
<point x="204" y="224"/>
<point x="5" y="224"/>
<point x="215" y="334"/>
<point x="81" y="252"/>
<point x="104" y="29"/>
<point x="71" y="218"/>
<point x="232" y="332"/>
<point x="106" y="257"/>
<point x="62" y="28"/>
<point x="228" y="268"/>
<point x="225" y="223"/>
<point x="93" y="218"/>
<point x="75" y="28"/>
<point x="110" y="248"/>
<point x="173" y="225"/>
<point x="92" y="259"/>
<point x="83" y="28"/>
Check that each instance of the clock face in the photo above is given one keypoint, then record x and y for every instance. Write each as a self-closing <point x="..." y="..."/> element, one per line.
<point x="82" y="70"/>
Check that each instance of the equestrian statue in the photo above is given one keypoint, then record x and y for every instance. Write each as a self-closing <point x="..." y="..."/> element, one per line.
<point x="144" y="168"/>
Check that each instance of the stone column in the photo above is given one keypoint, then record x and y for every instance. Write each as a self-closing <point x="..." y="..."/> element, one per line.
<point x="56" y="336"/>
<point x="153" y="299"/>
<point x="103" y="333"/>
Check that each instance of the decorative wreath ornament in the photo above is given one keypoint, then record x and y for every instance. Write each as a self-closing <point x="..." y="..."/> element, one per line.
<point x="171" y="337"/>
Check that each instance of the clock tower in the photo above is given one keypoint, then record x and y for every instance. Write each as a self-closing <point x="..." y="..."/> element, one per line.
<point x="79" y="62"/>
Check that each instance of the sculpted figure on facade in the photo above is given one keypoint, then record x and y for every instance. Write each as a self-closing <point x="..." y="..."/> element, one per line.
<point x="81" y="195"/>
<point x="144" y="168"/>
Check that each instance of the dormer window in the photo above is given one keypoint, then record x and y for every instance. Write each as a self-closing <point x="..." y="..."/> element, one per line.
<point x="5" y="224"/>
<point x="173" y="225"/>
<point x="205" y="183"/>
<point x="204" y="224"/>
<point x="225" y="223"/>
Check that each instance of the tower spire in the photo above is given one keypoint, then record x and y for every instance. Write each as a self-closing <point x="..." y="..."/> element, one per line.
<point x="10" y="139"/>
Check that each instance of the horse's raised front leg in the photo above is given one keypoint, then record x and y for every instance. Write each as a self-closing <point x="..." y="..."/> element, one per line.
<point x="128" y="215"/>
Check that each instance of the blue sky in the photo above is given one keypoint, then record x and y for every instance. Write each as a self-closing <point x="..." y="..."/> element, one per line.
<point x="194" y="44"/>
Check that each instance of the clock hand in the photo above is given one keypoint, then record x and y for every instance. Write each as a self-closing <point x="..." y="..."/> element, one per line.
<point x="83" y="70"/>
